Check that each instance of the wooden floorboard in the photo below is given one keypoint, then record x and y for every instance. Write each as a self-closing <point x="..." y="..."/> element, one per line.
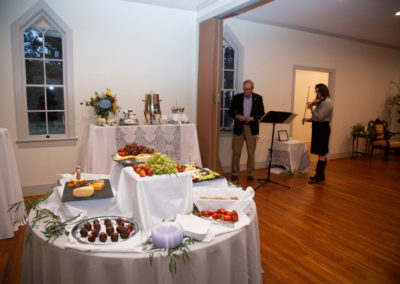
<point x="344" y="230"/>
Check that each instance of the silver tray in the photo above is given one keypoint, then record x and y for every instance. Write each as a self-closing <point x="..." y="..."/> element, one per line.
<point x="84" y="240"/>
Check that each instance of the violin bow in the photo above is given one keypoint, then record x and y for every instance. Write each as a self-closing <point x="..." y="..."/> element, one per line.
<point x="305" y="108"/>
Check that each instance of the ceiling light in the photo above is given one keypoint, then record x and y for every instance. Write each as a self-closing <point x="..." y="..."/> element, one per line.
<point x="397" y="13"/>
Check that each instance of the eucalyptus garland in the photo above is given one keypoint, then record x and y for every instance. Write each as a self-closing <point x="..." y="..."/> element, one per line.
<point x="178" y="253"/>
<point x="53" y="228"/>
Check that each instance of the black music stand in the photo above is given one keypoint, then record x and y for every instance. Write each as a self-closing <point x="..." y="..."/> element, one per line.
<point x="274" y="117"/>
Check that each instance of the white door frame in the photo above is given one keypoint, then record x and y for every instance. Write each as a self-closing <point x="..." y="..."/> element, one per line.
<point x="331" y="84"/>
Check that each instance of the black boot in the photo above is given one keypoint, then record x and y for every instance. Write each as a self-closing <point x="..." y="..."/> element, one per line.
<point x="320" y="173"/>
<point x="317" y="170"/>
<point x="320" y="176"/>
<point x="323" y="166"/>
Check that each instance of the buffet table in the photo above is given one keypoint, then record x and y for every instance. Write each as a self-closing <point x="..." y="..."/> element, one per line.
<point x="292" y="155"/>
<point x="177" y="141"/>
<point x="230" y="257"/>
<point x="10" y="188"/>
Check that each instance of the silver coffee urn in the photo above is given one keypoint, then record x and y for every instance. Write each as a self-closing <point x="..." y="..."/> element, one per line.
<point x="152" y="108"/>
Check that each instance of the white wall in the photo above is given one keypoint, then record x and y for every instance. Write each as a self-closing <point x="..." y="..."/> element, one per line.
<point x="363" y="73"/>
<point x="128" y="47"/>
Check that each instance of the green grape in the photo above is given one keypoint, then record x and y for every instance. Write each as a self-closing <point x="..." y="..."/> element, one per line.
<point x="161" y="164"/>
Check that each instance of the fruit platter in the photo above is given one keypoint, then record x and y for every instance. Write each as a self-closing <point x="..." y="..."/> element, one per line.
<point x="220" y="216"/>
<point x="133" y="154"/>
<point x="204" y="175"/>
<point x="158" y="164"/>
<point x="105" y="230"/>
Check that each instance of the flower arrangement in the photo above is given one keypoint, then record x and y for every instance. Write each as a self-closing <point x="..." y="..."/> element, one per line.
<point x="103" y="104"/>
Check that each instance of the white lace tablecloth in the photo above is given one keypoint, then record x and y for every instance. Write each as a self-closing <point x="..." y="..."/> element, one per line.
<point x="292" y="155"/>
<point x="177" y="141"/>
<point x="10" y="187"/>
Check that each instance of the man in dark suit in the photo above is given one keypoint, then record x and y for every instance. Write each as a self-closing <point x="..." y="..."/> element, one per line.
<point x="246" y="109"/>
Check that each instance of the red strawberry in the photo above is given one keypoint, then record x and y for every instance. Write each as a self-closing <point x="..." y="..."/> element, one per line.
<point x="235" y="218"/>
<point x="215" y="216"/>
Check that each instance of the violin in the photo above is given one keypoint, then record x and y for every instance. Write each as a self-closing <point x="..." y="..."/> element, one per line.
<point x="315" y="102"/>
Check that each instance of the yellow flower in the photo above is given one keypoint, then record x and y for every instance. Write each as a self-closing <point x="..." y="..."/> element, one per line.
<point x="108" y="94"/>
<point x="114" y="105"/>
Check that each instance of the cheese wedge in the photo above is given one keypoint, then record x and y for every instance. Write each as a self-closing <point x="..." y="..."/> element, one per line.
<point x="142" y="158"/>
<point x="84" y="191"/>
<point x="97" y="184"/>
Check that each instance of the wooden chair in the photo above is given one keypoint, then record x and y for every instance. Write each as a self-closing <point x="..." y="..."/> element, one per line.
<point x="381" y="137"/>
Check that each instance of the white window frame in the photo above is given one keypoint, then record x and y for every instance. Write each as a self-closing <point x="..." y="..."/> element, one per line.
<point x="234" y="42"/>
<point x="24" y="140"/>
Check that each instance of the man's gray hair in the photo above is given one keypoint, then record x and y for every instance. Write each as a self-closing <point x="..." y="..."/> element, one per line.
<point x="249" y="82"/>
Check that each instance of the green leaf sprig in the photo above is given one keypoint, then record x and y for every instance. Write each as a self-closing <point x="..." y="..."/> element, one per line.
<point x="178" y="253"/>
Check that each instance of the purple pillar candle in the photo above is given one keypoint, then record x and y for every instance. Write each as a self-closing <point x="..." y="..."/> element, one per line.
<point x="167" y="235"/>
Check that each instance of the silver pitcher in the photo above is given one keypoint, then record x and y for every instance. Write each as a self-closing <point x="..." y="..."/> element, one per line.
<point x="152" y="108"/>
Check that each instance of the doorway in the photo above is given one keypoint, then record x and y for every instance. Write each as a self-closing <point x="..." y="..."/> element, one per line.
<point x="305" y="79"/>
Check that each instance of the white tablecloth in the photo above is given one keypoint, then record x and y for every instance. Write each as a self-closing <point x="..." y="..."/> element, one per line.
<point x="10" y="187"/>
<point x="152" y="199"/>
<point x="177" y="141"/>
<point x="232" y="257"/>
<point x="292" y="155"/>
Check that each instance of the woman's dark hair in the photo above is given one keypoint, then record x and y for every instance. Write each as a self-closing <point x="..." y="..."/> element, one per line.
<point x="323" y="90"/>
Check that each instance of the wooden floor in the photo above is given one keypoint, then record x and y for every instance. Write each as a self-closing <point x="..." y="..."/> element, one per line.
<point x="344" y="230"/>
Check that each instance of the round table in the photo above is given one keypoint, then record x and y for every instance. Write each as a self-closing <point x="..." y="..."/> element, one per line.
<point x="233" y="257"/>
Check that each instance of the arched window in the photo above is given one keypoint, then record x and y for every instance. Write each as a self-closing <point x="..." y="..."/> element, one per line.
<point x="228" y="84"/>
<point x="231" y="75"/>
<point x="42" y="56"/>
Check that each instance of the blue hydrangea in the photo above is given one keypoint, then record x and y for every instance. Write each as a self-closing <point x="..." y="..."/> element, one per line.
<point x="105" y="104"/>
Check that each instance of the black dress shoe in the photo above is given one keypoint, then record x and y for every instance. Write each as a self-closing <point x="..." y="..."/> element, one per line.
<point x="315" y="180"/>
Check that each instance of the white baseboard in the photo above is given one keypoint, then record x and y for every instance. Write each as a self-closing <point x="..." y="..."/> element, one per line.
<point x="243" y="167"/>
<point x="339" y="155"/>
<point x="264" y="164"/>
<point x="37" y="189"/>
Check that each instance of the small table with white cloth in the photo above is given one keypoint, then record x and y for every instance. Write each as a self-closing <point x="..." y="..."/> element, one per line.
<point x="177" y="141"/>
<point x="232" y="256"/>
<point x="10" y="188"/>
<point x="292" y="155"/>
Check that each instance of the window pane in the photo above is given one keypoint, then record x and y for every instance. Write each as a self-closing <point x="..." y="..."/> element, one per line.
<point x="34" y="71"/>
<point x="221" y="123"/>
<point x="56" y="122"/>
<point x="37" y="123"/>
<point x="33" y="43"/>
<point x="227" y="119"/>
<point x="35" y="98"/>
<point x="55" y="98"/>
<point x="52" y="44"/>
<point x="229" y="57"/>
<point x="228" y="98"/>
<point x="228" y="79"/>
<point x="54" y="72"/>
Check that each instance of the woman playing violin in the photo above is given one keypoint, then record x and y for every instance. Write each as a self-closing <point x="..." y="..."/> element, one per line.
<point x="321" y="115"/>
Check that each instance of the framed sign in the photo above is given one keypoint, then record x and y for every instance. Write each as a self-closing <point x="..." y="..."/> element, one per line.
<point x="283" y="135"/>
